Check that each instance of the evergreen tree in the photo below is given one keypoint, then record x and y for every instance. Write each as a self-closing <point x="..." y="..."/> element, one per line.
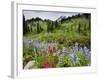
<point x="56" y="24"/>
<point x="48" y="26"/>
<point x="51" y="27"/>
<point x="85" y="27"/>
<point x="24" y="25"/>
<point x="38" y="29"/>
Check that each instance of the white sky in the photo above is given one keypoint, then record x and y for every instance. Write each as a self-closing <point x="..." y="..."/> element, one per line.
<point x="46" y="15"/>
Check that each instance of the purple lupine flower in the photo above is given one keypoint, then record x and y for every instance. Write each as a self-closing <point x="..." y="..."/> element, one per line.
<point x="64" y="50"/>
<point x="78" y="60"/>
<point x="86" y="50"/>
<point x="37" y="45"/>
<point x="76" y="49"/>
<point x="72" y="51"/>
<point x="60" y="59"/>
<point x="57" y="51"/>
<point x="89" y="55"/>
<point x="72" y="58"/>
<point x="81" y="50"/>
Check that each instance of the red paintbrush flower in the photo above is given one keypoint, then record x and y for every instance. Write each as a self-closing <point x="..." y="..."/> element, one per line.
<point x="46" y="64"/>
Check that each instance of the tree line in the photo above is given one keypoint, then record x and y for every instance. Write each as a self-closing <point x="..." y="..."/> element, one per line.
<point x="52" y="25"/>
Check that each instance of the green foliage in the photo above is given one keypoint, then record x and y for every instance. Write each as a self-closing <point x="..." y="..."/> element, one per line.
<point x="40" y="60"/>
<point x="27" y="54"/>
<point x="84" y="61"/>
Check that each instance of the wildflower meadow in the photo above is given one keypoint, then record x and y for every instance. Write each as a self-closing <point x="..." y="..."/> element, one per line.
<point x="63" y="42"/>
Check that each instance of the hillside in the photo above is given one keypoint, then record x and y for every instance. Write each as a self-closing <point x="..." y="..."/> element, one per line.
<point x="77" y="25"/>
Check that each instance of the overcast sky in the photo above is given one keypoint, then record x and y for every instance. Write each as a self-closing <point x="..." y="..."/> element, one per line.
<point x="46" y="15"/>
